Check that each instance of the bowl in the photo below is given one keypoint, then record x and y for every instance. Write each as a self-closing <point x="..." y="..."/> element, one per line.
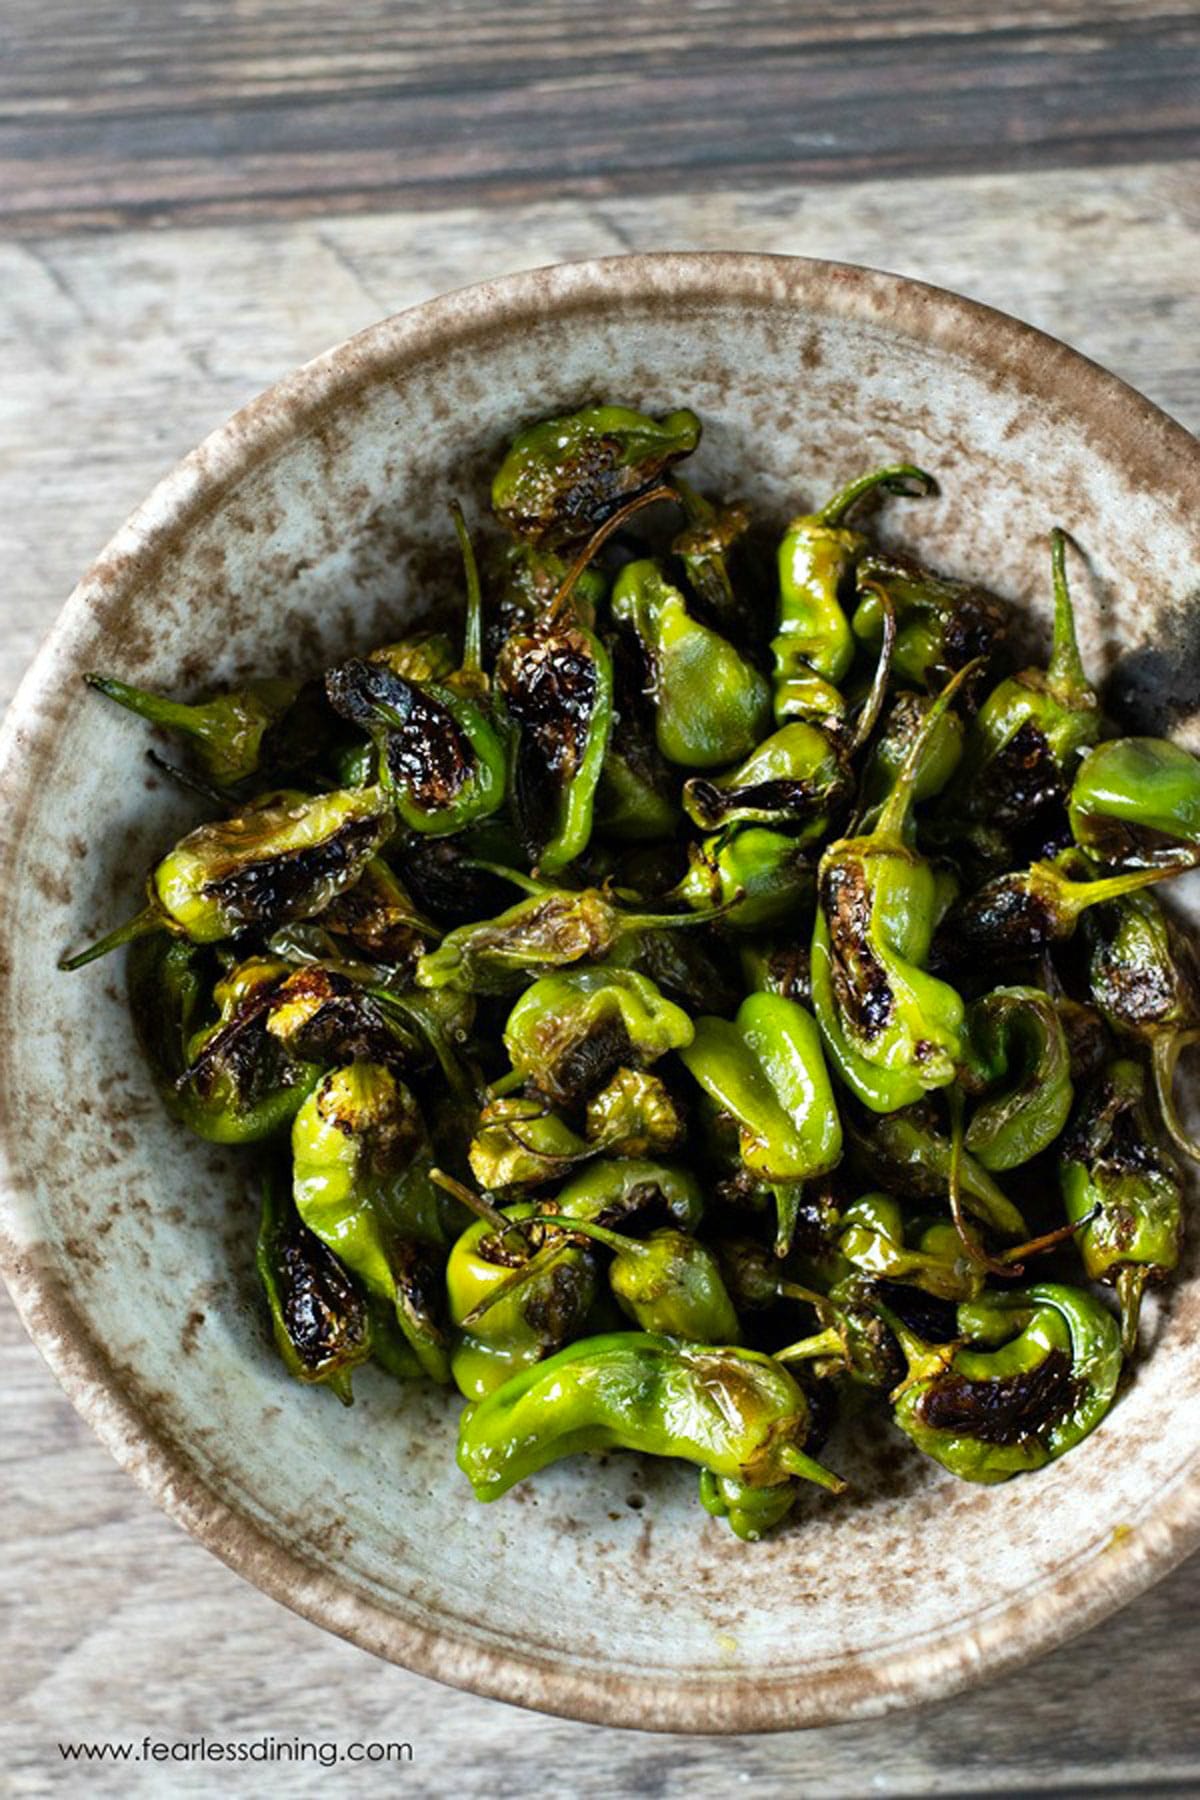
<point x="316" y="520"/>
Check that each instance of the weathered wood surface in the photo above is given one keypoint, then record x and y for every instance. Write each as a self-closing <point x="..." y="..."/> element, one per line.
<point x="117" y="351"/>
<point x="143" y="112"/>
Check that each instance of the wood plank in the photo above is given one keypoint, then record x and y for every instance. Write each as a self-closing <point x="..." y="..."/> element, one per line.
<point x="112" y="115"/>
<point x="118" y="351"/>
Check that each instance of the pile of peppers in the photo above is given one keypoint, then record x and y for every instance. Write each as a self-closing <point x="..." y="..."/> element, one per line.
<point x="711" y="990"/>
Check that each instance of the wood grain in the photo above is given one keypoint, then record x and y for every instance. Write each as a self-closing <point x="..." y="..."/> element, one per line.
<point x="117" y="351"/>
<point x="144" y="113"/>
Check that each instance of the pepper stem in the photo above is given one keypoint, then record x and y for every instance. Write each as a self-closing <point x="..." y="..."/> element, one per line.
<point x="893" y="816"/>
<point x="141" y="925"/>
<point x="1074" y="897"/>
<point x="821" y="1343"/>
<point x="612" y="1240"/>
<point x="545" y="1253"/>
<point x="1066" y="674"/>
<point x="530" y="884"/>
<point x="1013" y="1260"/>
<point x="972" y="1247"/>
<point x="477" y="1203"/>
<point x="472" y="662"/>
<point x="1131" y="1285"/>
<point x="868" y="718"/>
<point x="796" y="1462"/>
<point x="155" y="707"/>
<point x="598" y="540"/>
<point x="787" y="1211"/>
<point x="1164" y="1059"/>
<point x="194" y="784"/>
<point x="897" y="478"/>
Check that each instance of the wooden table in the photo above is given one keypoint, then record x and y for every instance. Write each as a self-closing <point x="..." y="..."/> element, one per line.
<point x="200" y="196"/>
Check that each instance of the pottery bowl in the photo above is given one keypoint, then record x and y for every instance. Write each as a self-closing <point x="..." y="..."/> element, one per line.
<point x="315" y="521"/>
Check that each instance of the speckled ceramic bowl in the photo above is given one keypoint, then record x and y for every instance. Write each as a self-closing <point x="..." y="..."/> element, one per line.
<point x="316" y="520"/>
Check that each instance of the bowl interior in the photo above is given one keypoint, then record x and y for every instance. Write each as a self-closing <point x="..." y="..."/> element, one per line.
<point x="318" y="522"/>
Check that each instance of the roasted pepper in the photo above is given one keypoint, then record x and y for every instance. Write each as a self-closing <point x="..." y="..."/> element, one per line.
<point x="321" y="1321"/>
<point x="941" y="625"/>
<point x="1124" y="1189"/>
<point x="754" y="876"/>
<point x="1019" y="1065"/>
<point x="666" y="1283"/>
<point x="703" y="547"/>
<point x="1016" y="916"/>
<point x="874" y="1237"/>
<point x="794" y="778"/>
<point x="562" y="478"/>
<point x="568" y="1032"/>
<point x="907" y="1153"/>
<point x="1136" y="801"/>
<point x="234" y="734"/>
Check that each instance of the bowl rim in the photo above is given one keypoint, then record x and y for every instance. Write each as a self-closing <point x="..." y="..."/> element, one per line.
<point x="1155" y="451"/>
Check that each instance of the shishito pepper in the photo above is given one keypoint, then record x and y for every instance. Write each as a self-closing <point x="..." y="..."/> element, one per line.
<point x="1136" y="801"/>
<point x="1145" y="980"/>
<point x="941" y="757"/>
<point x="907" y="1153"/>
<point x="703" y="548"/>
<point x="234" y="734"/>
<point x="794" y="777"/>
<point x="814" y="646"/>
<point x="516" y="1294"/>
<point x="568" y="1032"/>
<point x="941" y="624"/>
<point x="520" y="1142"/>
<point x="1015" y="916"/>
<point x="874" y="1237"/>
<point x="321" y="1321"/>
<point x="563" y="477"/>
<point x="668" y="1283"/>
<point x="737" y="1414"/>
<point x="1037" y="1373"/>
<point x="1019" y="1064"/>
<point x="361" y="1182"/>
<point x="755" y="876"/>
<point x="285" y="856"/>
<point x="1027" y="738"/>
<point x="710" y="704"/>
<point x="1123" y="1187"/>
<point x="766" y="1071"/>
<point x="893" y="1031"/>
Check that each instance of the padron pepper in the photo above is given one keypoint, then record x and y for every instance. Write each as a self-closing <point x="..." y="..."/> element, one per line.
<point x="737" y="1414"/>
<point x="284" y="856"/>
<point x="1145" y="980"/>
<point x="553" y="928"/>
<point x="793" y="778"/>
<point x="1136" y="801"/>
<point x="527" y="581"/>
<point x="362" y="1184"/>
<point x="756" y="877"/>
<point x="893" y="1031"/>
<point x="941" y="624"/>
<point x="520" y="1142"/>
<point x="1019" y="1065"/>
<point x="711" y="705"/>
<point x="814" y="645"/>
<point x="516" y="1294"/>
<point x="907" y="1153"/>
<point x="1029" y="734"/>
<point x="565" y="476"/>
<point x="766" y="1072"/>
<point x="1038" y="1371"/>
<point x="874" y="1236"/>
<point x="1123" y="1188"/>
<point x="1014" y="917"/>
<point x="569" y="1031"/>
<point x="703" y="547"/>
<point x="668" y="1282"/>
<point x="234" y="734"/>
<point x="888" y="754"/>
<point x="321" y="1322"/>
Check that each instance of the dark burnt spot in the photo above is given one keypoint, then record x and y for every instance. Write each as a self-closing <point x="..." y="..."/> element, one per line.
<point x="555" y="1304"/>
<point x="932" y="1319"/>
<point x="1005" y="921"/>
<point x="427" y="754"/>
<point x="272" y="889"/>
<point x="550" y="686"/>
<point x="445" y="885"/>
<point x="797" y="801"/>
<point x="572" y="496"/>
<point x="334" y="1022"/>
<point x="322" y="1311"/>
<point x="860" y="983"/>
<point x="576" y="1067"/>
<point x="1133" y="846"/>
<point x="1012" y="1410"/>
<point x="1023" y="777"/>
<point x="420" y="1289"/>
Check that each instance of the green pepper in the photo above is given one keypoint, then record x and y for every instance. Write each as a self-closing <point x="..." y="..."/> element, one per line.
<point x="814" y="646"/>
<point x="666" y="1283"/>
<point x="711" y="705"/>
<point x="1125" y="1190"/>
<point x="893" y="1031"/>
<point x="890" y="751"/>
<point x="941" y="625"/>
<point x="563" y="477"/>
<point x="361" y="1180"/>
<point x="634" y="1114"/>
<point x="637" y="799"/>
<point x="1146" y="982"/>
<point x="608" y="1193"/>
<point x="986" y="1414"/>
<point x="767" y="1072"/>
<point x="1015" y="916"/>
<point x="1136" y="801"/>
<point x="1016" y="1045"/>
<point x="377" y="917"/>
<point x="320" y="1320"/>
<point x="907" y="1153"/>
<point x="520" y="1142"/>
<point x="284" y="856"/>
<point x="754" y="1277"/>
<point x="1029" y="734"/>
<point x="753" y="876"/>
<point x="515" y="1296"/>
<point x="735" y="1413"/>
<point x="874" y="1238"/>
<point x="703" y="546"/>
<point x="232" y="733"/>
<point x="551" y="929"/>
<point x="568" y="1032"/>
<point x="794" y="777"/>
